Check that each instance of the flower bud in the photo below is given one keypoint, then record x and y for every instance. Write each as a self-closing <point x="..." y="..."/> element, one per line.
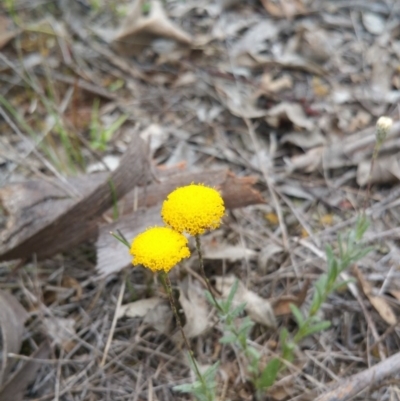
<point x="383" y="126"/>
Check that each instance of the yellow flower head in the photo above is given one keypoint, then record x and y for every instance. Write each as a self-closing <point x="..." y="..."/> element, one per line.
<point x="159" y="248"/>
<point x="194" y="209"/>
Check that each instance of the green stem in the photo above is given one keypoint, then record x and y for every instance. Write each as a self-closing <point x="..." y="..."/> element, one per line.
<point x="201" y="262"/>
<point x="168" y="288"/>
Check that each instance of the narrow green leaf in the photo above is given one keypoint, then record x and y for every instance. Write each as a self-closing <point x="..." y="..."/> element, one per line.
<point x="317" y="328"/>
<point x="232" y="293"/>
<point x="298" y="315"/>
<point x="228" y="339"/>
<point x="268" y="375"/>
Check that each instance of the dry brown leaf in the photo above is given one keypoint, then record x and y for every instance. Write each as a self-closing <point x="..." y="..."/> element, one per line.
<point x="384" y="171"/>
<point x="290" y="112"/>
<point x="270" y="85"/>
<point x="239" y="100"/>
<point x="254" y="41"/>
<point x="282" y="304"/>
<point x="259" y="309"/>
<point x="139" y="308"/>
<point x="156" y="312"/>
<point x="284" y="8"/>
<point x="310" y="161"/>
<point x="304" y="139"/>
<point x="15" y="387"/>
<point x="228" y="252"/>
<point x="138" y="30"/>
<point x="379" y="303"/>
<point x="265" y="256"/>
<point x="395" y="293"/>
<point x="194" y="305"/>
<point x="12" y="320"/>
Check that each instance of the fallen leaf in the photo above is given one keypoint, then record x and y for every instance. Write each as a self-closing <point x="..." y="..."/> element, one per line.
<point x="155" y="136"/>
<point x="265" y="256"/>
<point x="161" y="318"/>
<point x="259" y="309"/>
<point x="156" y="312"/>
<point x="228" y="252"/>
<point x="286" y="8"/>
<point x="373" y="23"/>
<point x="254" y="41"/>
<point x="269" y="85"/>
<point x="385" y="170"/>
<point x="395" y="293"/>
<point x="379" y="303"/>
<point x="292" y="112"/>
<point x="15" y="387"/>
<point x="304" y="139"/>
<point x="12" y="320"/>
<point x="139" y="308"/>
<point x="281" y="305"/>
<point x="194" y="305"/>
<point x="138" y="30"/>
<point x="308" y="162"/>
<point x="239" y="100"/>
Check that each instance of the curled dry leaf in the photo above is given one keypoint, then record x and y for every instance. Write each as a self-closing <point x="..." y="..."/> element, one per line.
<point x="194" y="305"/>
<point x="155" y="311"/>
<point x="240" y="101"/>
<point x="289" y="111"/>
<point x="12" y="320"/>
<point x="138" y="30"/>
<point x="378" y="302"/>
<point x="284" y="9"/>
<point x="265" y="256"/>
<point x="139" y="308"/>
<point x="384" y="171"/>
<point x="259" y="309"/>
<point x="281" y="305"/>
<point x="228" y="252"/>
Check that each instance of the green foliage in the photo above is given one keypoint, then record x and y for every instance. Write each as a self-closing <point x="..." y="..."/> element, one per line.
<point x="268" y="375"/>
<point x="100" y="136"/>
<point x="309" y="323"/>
<point x="203" y="388"/>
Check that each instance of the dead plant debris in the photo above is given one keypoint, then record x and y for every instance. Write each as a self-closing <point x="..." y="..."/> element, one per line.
<point x="106" y="106"/>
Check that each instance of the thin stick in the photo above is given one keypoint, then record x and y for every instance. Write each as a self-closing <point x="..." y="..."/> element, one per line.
<point x="114" y="322"/>
<point x="168" y="288"/>
<point x="352" y="386"/>
<point x="203" y="272"/>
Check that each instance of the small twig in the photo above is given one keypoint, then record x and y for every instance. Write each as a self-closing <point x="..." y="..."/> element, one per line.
<point x="352" y="386"/>
<point x="114" y="322"/>
<point x="203" y="272"/>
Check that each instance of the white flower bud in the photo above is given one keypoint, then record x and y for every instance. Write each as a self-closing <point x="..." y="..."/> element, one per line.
<point x="383" y="126"/>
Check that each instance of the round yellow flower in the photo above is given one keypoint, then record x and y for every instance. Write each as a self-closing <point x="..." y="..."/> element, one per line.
<point x="194" y="209"/>
<point x="159" y="248"/>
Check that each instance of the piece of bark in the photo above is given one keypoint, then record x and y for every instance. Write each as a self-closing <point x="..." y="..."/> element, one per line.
<point x="31" y="206"/>
<point x="371" y="377"/>
<point x="15" y="387"/>
<point x="36" y="226"/>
